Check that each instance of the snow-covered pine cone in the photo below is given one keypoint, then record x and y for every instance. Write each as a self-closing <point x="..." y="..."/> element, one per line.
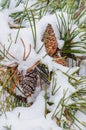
<point x="29" y="81"/>
<point x="49" y="40"/>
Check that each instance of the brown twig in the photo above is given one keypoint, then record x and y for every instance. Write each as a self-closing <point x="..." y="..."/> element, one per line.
<point x="15" y="83"/>
<point x="24" y="48"/>
<point x="28" y="53"/>
<point x="25" y="56"/>
<point x="81" y="8"/>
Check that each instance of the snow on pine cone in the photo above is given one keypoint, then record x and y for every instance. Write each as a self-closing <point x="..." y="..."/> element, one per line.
<point x="28" y="82"/>
<point x="24" y="85"/>
<point x="49" y="40"/>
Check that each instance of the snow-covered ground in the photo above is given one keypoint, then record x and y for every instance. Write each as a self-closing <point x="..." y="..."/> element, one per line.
<point x="33" y="117"/>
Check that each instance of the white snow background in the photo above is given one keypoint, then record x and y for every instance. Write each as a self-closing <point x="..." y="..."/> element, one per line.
<point x="33" y="118"/>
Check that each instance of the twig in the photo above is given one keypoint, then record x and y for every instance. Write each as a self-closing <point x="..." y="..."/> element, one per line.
<point x="25" y="56"/>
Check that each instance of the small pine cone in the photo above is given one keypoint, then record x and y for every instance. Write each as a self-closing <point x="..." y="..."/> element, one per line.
<point x="60" y="60"/>
<point x="49" y="40"/>
<point x="44" y="73"/>
<point x="28" y="83"/>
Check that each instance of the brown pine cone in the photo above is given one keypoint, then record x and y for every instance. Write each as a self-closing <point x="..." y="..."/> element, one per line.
<point x="28" y="83"/>
<point x="25" y="83"/>
<point x="49" y="40"/>
<point x="43" y="72"/>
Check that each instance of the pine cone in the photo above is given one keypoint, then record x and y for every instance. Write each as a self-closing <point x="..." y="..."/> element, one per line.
<point x="49" y="40"/>
<point x="44" y="73"/>
<point x="51" y="45"/>
<point x="28" y="83"/>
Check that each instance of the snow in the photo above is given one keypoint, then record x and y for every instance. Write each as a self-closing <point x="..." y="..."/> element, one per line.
<point x="83" y="68"/>
<point x="4" y="28"/>
<point x="33" y="117"/>
<point x="28" y="118"/>
<point x="39" y="124"/>
<point x="81" y="119"/>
